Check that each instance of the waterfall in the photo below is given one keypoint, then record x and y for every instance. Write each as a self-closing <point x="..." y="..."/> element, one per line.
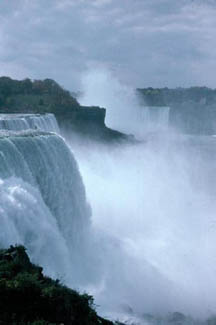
<point x="155" y="118"/>
<point x="26" y="220"/>
<point x="19" y="122"/>
<point x="153" y="206"/>
<point x="42" y="198"/>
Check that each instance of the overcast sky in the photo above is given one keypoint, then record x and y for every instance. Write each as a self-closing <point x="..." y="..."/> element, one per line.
<point x="143" y="42"/>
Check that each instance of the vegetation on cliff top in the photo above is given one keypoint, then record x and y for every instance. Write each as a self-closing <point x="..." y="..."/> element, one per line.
<point x="39" y="96"/>
<point x="169" y="97"/>
<point x="29" y="297"/>
<point x="47" y="96"/>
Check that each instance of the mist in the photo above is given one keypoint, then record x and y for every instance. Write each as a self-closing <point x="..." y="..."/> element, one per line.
<point x="125" y="111"/>
<point x="100" y="87"/>
<point x="153" y="213"/>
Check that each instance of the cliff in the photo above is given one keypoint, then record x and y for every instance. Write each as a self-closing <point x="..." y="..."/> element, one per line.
<point x="46" y="96"/>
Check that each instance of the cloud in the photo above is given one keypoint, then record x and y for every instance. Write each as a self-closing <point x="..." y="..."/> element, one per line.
<point x="146" y="43"/>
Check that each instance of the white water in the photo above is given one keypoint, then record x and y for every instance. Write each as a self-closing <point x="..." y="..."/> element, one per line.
<point x="20" y="122"/>
<point x="157" y="199"/>
<point x="155" y="119"/>
<point x="151" y="244"/>
<point x="123" y="109"/>
<point x="148" y="250"/>
<point x="42" y="199"/>
<point x="25" y="219"/>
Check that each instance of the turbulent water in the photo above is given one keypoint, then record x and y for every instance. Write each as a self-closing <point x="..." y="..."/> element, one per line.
<point x="42" y="198"/>
<point x="150" y="246"/>
<point x="20" y="122"/>
<point x="157" y="200"/>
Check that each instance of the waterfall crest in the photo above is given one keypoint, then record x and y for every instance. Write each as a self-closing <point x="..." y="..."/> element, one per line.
<point x="20" y="122"/>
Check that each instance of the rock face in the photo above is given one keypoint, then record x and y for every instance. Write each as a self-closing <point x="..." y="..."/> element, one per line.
<point x="89" y="122"/>
<point x="28" y="297"/>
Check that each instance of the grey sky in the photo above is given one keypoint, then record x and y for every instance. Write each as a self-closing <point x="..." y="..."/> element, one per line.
<point x="143" y="42"/>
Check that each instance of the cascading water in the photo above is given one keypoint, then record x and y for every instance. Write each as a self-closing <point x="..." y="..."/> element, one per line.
<point x="42" y="199"/>
<point x="20" y="122"/>
<point x="150" y="215"/>
<point x="25" y="219"/>
<point x="43" y="207"/>
<point x="155" y="118"/>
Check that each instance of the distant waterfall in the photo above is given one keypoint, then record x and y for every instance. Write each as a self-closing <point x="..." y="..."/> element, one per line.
<point x="155" y="118"/>
<point x="20" y="122"/>
<point x="42" y="196"/>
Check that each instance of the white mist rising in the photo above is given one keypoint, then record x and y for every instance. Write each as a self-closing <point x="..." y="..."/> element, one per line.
<point x="150" y="200"/>
<point x="124" y="111"/>
<point x="102" y="89"/>
<point x="156" y="200"/>
<point x="150" y="244"/>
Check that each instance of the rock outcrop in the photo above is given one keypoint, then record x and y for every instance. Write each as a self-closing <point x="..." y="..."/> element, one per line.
<point x="46" y="96"/>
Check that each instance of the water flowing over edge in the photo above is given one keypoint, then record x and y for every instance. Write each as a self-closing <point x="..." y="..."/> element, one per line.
<point x="42" y="199"/>
<point x="21" y="122"/>
<point x="40" y="180"/>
